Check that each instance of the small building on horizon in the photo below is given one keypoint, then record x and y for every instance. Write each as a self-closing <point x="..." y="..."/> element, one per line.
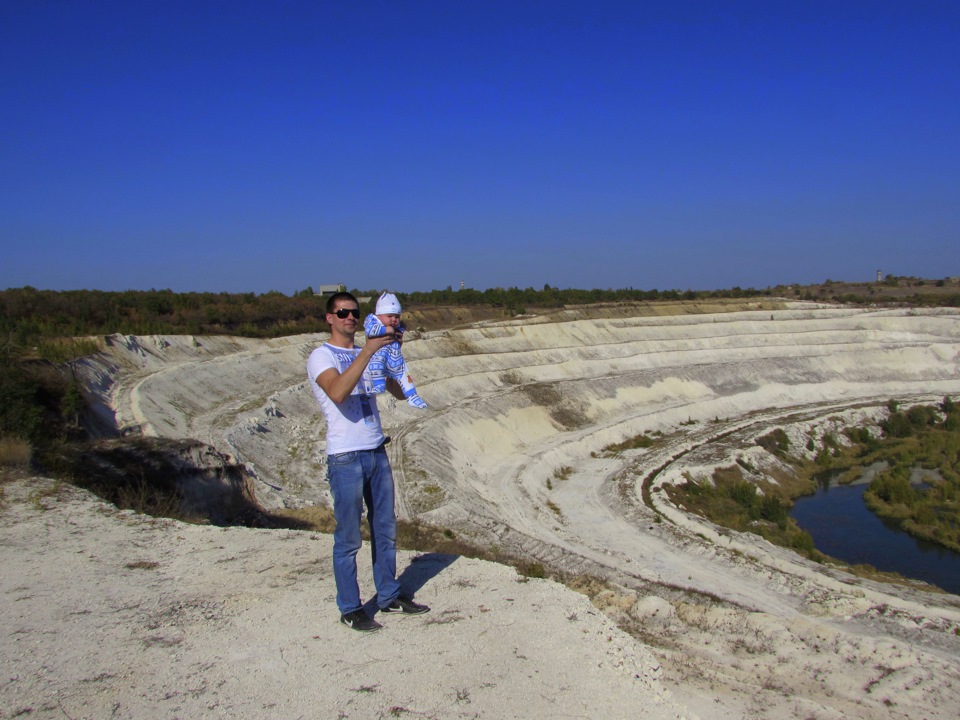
<point x="326" y="290"/>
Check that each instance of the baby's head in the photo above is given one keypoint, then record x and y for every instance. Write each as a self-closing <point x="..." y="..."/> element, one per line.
<point x="388" y="310"/>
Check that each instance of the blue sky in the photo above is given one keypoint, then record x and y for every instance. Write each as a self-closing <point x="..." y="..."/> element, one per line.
<point x="252" y="146"/>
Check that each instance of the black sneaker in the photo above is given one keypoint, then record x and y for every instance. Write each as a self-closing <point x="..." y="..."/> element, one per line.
<point x="358" y="620"/>
<point x="405" y="606"/>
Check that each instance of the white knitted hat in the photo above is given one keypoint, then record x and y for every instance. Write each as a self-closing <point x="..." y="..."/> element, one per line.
<point x="388" y="305"/>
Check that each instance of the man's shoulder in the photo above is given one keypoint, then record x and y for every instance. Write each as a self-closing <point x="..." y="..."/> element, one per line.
<point x="328" y="353"/>
<point x="319" y="351"/>
<point x="333" y="349"/>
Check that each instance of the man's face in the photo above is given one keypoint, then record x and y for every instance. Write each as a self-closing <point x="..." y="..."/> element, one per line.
<point x="390" y="320"/>
<point x="346" y="324"/>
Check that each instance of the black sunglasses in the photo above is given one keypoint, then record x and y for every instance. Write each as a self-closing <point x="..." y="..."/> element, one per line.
<point x="343" y="312"/>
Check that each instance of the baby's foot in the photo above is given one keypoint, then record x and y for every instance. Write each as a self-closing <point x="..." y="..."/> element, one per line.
<point x="417" y="401"/>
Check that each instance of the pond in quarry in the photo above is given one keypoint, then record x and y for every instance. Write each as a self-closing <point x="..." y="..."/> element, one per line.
<point x="843" y="527"/>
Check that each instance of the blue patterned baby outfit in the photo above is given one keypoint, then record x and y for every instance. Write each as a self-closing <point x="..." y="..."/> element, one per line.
<point x="389" y="362"/>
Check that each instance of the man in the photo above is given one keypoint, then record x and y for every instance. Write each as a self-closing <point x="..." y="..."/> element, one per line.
<point x="357" y="465"/>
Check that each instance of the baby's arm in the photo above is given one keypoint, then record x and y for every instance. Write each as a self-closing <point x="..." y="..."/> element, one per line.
<point x="373" y="327"/>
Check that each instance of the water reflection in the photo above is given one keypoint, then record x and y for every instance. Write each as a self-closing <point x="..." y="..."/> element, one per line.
<point x="843" y="527"/>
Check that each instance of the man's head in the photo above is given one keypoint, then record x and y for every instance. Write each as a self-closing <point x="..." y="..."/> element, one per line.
<point x="337" y="297"/>
<point x="343" y="314"/>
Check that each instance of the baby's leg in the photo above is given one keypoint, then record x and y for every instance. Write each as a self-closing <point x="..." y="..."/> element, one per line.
<point x="377" y="369"/>
<point x="397" y="369"/>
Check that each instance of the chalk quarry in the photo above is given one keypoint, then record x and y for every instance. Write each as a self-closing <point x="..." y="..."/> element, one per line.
<point x="510" y="453"/>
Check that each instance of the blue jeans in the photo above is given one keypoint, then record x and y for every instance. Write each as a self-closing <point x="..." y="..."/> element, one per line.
<point x="356" y="479"/>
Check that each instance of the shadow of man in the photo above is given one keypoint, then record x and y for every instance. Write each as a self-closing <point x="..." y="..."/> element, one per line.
<point x="422" y="569"/>
<point x="418" y="573"/>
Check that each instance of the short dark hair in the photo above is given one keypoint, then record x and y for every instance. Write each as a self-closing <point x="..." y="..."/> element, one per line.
<point x="342" y="295"/>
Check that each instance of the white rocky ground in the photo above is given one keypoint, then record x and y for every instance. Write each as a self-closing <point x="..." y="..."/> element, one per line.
<point x="511" y="454"/>
<point x="108" y="614"/>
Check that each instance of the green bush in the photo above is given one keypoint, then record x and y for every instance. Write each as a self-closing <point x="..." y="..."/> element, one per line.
<point x="772" y="509"/>
<point x="743" y="493"/>
<point x="21" y="413"/>
<point x="921" y="416"/>
<point x="775" y="441"/>
<point x="802" y="541"/>
<point x="893" y="489"/>
<point x="897" y="426"/>
<point x="695" y="489"/>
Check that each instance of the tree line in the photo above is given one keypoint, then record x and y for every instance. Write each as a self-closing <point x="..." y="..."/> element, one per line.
<point x="518" y="299"/>
<point x="28" y="315"/>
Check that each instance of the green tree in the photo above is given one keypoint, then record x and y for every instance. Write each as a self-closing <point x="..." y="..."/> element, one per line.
<point x="20" y="412"/>
<point x="897" y="425"/>
<point x="894" y="489"/>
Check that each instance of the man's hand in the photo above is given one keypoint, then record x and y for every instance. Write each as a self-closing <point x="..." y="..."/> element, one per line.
<point x="338" y="386"/>
<point x="379" y="342"/>
<point x="392" y="334"/>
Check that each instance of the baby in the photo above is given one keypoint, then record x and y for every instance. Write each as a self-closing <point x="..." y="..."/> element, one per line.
<point x="389" y="362"/>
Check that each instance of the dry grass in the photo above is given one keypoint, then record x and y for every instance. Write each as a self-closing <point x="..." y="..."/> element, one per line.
<point x="459" y="346"/>
<point x="567" y="413"/>
<point x="44" y="491"/>
<point x="636" y="442"/>
<point x="142" y="565"/>
<point x="419" y="536"/>
<point x="319" y="518"/>
<point x="14" y="452"/>
<point x="511" y="377"/>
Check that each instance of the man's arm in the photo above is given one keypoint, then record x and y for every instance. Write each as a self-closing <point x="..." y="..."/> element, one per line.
<point x="337" y="385"/>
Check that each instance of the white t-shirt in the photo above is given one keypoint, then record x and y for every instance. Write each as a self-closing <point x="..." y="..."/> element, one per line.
<point x="353" y="424"/>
